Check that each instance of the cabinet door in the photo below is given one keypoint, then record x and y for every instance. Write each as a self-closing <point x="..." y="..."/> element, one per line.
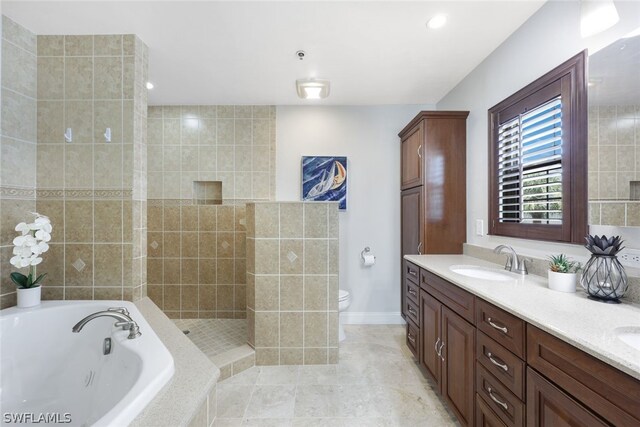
<point x="412" y="158"/>
<point x="430" y="310"/>
<point x="549" y="406"/>
<point x="458" y="365"/>
<point x="412" y="224"/>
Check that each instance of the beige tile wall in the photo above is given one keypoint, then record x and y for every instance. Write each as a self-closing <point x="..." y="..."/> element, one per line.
<point x="17" y="143"/>
<point x="619" y="213"/>
<point x="614" y="151"/>
<point x="196" y="259"/>
<point x="94" y="191"/>
<point x="292" y="282"/>
<point x="196" y="264"/>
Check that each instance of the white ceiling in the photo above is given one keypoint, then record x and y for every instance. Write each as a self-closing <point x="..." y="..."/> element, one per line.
<point x="614" y="78"/>
<point x="244" y="52"/>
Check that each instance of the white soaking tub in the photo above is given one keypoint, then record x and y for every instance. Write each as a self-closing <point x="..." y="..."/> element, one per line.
<point x="47" y="371"/>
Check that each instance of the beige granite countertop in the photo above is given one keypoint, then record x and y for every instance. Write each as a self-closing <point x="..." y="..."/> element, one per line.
<point x="192" y="381"/>
<point x="572" y="317"/>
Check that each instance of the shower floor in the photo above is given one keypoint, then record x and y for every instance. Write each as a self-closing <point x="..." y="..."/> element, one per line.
<point x="215" y="336"/>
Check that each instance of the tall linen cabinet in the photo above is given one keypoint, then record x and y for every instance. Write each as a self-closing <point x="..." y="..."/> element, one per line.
<point x="433" y="184"/>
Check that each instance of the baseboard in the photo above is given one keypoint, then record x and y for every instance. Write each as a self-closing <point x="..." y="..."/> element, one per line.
<point x="371" y="318"/>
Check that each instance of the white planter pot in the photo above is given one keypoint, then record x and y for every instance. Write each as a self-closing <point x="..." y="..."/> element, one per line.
<point x="563" y="282"/>
<point x="29" y="297"/>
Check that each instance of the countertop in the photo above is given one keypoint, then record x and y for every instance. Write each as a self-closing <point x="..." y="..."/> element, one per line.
<point x="588" y="325"/>
<point x="192" y="381"/>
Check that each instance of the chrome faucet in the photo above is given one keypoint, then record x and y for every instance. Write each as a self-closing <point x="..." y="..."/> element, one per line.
<point x="120" y="314"/>
<point x="514" y="263"/>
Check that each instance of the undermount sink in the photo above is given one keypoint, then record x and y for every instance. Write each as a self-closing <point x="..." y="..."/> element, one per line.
<point x="483" y="273"/>
<point x="629" y="336"/>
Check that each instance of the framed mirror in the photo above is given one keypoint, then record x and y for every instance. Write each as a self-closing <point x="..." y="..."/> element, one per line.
<point x="614" y="134"/>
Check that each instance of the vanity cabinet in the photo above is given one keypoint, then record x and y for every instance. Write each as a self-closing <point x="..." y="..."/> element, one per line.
<point x="433" y="185"/>
<point x="448" y="345"/>
<point x="494" y="369"/>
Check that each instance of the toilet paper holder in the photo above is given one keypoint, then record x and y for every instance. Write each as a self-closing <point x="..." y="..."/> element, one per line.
<point x="366" y="251"/>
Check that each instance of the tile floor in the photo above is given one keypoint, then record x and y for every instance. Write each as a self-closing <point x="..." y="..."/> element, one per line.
<point x="376" y="383"/>
<point x="215" y="336"/>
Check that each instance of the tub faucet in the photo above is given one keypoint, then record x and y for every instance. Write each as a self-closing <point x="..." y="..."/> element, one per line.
<point x="514" y="263"/>
<point x="124" y="321"/>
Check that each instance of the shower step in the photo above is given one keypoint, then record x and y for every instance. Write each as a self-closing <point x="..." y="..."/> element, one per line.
<point x="234" y="361"/>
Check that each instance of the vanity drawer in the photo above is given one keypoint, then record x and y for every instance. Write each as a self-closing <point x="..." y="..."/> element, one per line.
<point x="507" y="329"/>
<point x="485" y="417"/>
<point x="605" y="390"/>
<point x="412" y="311"/>
<point x="411" y="291"/>
<point x="457" y="299"/>
<point x="502" y="364"/>
<point x="411" y="272"/>
<point x="413" y="339"/>
<point x="498" y="397"/>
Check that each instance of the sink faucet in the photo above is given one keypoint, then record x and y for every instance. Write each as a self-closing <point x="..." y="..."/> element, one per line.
<point x="122" y="315"/>
<point x="514" y="263"/>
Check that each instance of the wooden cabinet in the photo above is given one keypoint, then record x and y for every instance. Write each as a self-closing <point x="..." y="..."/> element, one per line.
<point x="493" y="369"/>
<point x="548" y="406"/>
<point x="412" y="166"/>
<point x="447" y="354"/>
<point x="433" y="184"/>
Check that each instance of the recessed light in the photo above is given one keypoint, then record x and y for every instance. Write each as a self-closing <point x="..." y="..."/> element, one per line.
<point x="438" y="21"/>
<point x="312" y="88"/>
<point x="149" y="85"/>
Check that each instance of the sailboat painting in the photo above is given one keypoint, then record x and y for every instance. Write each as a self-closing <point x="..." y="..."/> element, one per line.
<point x="325" y="179"/>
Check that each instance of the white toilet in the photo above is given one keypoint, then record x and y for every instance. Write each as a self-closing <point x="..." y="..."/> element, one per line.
<point x="344" y="301"/>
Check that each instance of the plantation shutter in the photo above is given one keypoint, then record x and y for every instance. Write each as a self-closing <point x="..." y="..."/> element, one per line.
<point x="530" y="166"/>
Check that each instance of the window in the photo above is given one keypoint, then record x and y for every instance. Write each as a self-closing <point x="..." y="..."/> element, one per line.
<point x="538" y="158"/>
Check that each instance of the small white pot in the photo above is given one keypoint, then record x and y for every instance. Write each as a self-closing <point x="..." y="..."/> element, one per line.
<point x="563" y="282"/>
<point x="29" y="297"/>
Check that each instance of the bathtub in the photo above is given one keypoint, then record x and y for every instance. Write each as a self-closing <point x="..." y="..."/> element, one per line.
<point x="48" y="372"/>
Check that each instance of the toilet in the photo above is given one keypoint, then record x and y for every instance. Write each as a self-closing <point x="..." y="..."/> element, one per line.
<point x="344" y="301"/>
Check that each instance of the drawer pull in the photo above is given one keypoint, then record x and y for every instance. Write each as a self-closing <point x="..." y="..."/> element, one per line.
<point x="498" y="327"/>
<point x="495" y="399"/>
<point x="420" y="151"/>
<point x="440" y="351"/>
<point x="412" y="272"/>
<point x="435" y="347"/>
<point x="497" y="362"/>
<point x="420" y="248"/>
<point x="411" y="338"/>
<point x="412" y="292"/>
<point x="412" y="311"/>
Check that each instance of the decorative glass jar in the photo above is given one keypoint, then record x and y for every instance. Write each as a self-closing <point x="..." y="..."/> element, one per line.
<point x="604" y="278"/>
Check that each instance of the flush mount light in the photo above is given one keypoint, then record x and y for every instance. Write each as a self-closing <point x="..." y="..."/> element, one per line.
<point x="312" y="88"/>
<point x="149" y="85"/>
<point x="437" y="21"/>
<point x="596" y="16"/>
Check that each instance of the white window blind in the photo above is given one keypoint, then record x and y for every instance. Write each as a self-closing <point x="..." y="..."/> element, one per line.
<point x="530" y="166"/>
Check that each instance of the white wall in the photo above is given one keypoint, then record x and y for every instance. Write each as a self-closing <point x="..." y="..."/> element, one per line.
<point x="547" y="39"/>
<point x="368" y="136"/>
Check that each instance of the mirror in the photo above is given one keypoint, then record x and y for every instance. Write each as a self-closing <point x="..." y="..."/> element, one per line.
<point x="614" y="134"/>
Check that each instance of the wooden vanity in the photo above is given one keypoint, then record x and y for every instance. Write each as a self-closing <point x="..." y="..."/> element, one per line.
<point x="492" y="368"/>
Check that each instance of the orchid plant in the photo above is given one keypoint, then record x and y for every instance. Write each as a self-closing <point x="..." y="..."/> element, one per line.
<point x="28" y="248"/>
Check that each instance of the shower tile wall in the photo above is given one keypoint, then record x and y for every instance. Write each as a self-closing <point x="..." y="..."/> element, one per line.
<point x="292" y="282"/>
<point x="196" y="252"/>
<point x="94" y="191"/>
<point x="18" y="143"/>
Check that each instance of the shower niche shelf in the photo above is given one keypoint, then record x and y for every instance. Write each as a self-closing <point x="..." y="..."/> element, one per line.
<point x="207" y="192"/>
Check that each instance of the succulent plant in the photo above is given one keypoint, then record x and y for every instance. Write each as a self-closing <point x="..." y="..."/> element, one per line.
<point x="562" y="264"/>
<point x="603" y="245"/>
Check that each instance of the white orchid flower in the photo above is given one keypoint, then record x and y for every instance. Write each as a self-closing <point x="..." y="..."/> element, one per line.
<point x="43" y="235"/>
<point x="22" y="251"/>
<point x="42" y="247"/>
<point x="23" y="228"/>
<point x="35" y="260"/>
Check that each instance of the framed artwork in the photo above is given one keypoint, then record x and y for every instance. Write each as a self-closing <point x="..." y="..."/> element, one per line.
<point x="324" y="178"/>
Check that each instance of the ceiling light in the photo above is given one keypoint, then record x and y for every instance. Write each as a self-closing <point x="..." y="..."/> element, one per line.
<point x="438" y="21"/>
<point x="149" y="85"/>
<point x="596" y="16"/>
<point x="312" y="88"/>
